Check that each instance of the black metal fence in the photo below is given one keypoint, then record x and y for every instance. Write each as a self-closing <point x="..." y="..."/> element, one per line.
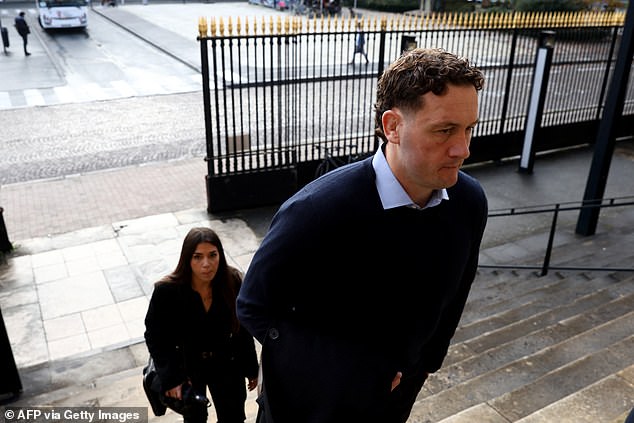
<point x="280" y="96"/>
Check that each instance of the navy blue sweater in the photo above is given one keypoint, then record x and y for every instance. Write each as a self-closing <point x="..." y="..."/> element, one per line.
<point x="357" y="293"/>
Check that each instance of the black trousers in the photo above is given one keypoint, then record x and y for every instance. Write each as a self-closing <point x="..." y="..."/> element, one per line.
<point x="228" y="392"/>
<point x="401" y="400"/>
<point x="24" y="41"/>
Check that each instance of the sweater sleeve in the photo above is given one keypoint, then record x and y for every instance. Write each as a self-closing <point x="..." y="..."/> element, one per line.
<point x="437" y="347"/>
<point x="270" y="281"/>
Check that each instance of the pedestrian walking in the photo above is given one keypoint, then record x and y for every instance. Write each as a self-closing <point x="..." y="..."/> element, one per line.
<point x="360" y="282"/>
<point x="23" y="29"/>
<point x="359" y="45"/>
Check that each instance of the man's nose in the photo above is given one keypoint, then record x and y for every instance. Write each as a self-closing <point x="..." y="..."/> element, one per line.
<point x="460" y="148"/>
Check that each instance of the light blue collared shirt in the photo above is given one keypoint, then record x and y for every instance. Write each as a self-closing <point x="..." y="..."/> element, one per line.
<point x="391" y="191"/>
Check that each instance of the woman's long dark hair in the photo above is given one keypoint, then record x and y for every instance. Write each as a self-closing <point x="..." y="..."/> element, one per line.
<point x="226" y="282"/>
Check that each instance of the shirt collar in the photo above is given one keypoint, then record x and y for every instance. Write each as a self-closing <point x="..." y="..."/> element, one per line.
<point x="392" y="193"/>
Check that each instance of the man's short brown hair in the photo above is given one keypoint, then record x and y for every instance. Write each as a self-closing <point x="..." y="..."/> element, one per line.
<point x="418" y="72"/>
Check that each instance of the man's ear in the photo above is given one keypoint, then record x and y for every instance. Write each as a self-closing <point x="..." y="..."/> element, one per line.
<point x="391" y="120"/>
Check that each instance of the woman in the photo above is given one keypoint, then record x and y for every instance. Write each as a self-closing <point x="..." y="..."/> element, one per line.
<point x="193" y="334"/>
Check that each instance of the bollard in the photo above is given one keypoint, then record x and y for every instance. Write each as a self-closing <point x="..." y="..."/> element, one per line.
<point x="5" y="244"/>
<point x="537" y="99"/>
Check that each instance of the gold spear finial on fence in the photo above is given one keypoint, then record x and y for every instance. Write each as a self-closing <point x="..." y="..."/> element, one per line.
<point x="230" y="26"/>
<point x="213" y="26"/>
<point x="492" y="20"/>
<point x="518" y="19"/>
<point x="202" y="27"/>
<point x="419" y="22"/>
<point x="221" y="26"/>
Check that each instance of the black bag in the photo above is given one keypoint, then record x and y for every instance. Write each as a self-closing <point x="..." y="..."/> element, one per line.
<point x="152" y="388"/>
<point x="160" y="403"/>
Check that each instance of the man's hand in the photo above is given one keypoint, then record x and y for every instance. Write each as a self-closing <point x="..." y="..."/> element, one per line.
<point x="397" y="380"/>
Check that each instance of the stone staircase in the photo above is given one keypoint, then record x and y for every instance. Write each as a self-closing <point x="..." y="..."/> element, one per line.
<point x="529" y="349"/>
<point x="557" y="348"/>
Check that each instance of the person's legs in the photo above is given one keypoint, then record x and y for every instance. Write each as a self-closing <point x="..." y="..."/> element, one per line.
<point x="228" y="393"/>
<point x="24" y="42"/>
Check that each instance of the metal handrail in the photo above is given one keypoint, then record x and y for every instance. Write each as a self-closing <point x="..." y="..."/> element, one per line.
<point x="555" y="209"/>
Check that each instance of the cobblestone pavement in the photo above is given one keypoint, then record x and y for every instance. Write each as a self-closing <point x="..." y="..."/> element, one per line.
<point x="69" y="139"/>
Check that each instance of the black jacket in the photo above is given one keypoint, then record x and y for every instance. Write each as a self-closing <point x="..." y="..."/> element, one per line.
<point x="21" y="26"/>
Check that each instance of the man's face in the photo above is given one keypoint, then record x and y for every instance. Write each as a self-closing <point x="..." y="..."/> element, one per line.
<point x="427" y="147"/>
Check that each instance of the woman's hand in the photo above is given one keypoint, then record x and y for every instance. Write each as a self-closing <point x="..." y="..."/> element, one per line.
<point x="176" y="392"/>
<point x="253" y="383"/>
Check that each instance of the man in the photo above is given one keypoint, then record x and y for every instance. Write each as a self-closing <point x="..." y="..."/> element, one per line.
<point x="358" y="287"/>
<point x="23" y="29"/>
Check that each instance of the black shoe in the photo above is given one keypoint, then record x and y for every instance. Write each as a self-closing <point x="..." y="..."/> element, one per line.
<point x="27" y="53"/>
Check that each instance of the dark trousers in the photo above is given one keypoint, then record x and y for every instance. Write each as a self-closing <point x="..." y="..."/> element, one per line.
<point x="228" y="394"/>
<point x="24" y="41"/>
<point x="401" y="400"/>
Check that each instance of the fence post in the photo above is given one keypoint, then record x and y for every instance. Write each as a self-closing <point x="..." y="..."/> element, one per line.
<point x="538" y="97"/>
<point x="509" y="80"/>
<point x="204" y="67"/>
<point x="382" y="36"/>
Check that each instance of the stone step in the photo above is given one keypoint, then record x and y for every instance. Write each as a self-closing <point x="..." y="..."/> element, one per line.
<point x="46" y="384"/>
<point x="122" y="388"/>
<point x="487" y="352"/>
<point x="514" y="375"/>
<point x="508" y="284"/>
<point x="526" y="301"/>
<point x="601" y="402"/>
<point x="565" y="381"/>
<point x="608" y="400"/>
